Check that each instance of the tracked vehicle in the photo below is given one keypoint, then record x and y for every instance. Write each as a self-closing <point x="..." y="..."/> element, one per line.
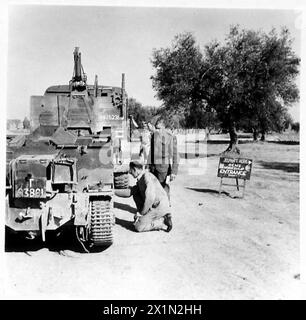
<point x="62" y="173"/>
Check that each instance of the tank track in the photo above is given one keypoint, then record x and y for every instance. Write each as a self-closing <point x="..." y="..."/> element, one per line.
<point x="101" y="223"/>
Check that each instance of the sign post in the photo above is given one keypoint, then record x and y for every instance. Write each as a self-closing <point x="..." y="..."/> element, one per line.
<point x="237" y="168"/>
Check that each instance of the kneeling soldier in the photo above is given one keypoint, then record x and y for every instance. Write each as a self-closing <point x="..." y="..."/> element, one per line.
<point x="151" y="201"/>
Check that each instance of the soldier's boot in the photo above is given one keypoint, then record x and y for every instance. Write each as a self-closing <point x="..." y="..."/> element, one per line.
<point x="168" y="222"/>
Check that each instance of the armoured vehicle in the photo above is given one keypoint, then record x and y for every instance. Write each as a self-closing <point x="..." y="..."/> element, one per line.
<point x="62" y="173"/>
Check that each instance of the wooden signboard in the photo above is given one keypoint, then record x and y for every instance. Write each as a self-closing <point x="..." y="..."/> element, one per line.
<point x="236" y="168"/>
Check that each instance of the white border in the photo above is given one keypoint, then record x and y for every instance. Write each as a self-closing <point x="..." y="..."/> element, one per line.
<point x="233" y="4"/>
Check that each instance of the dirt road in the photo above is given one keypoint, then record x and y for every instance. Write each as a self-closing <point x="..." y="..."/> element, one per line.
<point x="221" y="247"/>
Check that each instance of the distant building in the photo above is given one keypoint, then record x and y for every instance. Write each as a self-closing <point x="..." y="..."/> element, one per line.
<point x="14" y="124"/>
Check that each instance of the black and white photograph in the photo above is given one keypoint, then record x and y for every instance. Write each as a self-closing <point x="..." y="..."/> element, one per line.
<point x="152" y="151"/>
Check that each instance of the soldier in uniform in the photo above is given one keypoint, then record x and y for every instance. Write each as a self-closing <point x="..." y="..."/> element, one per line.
<point x="145" y="138"/>
<point x="163" y="158"/>
<point x="150" y="199"/>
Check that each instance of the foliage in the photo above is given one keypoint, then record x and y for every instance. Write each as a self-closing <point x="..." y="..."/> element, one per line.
<point x="139" y="112"/>
<point x="249" y="80"/>
<point x="172" y="119"/>
<point x="288" y="121"/>
<point x="253" y="80"/>
<point x="296" y="126"/>
<point x="178" y="69"/>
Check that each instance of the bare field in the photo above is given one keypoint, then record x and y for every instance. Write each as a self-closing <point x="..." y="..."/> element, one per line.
<point x="221" y="247"/>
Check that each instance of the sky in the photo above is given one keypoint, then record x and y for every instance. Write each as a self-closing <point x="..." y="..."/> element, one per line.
<point x="113" y="40"/>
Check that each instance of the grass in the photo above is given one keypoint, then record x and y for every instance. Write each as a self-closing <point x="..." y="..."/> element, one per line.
<point x="290" y="136"/>
<point x="261" y="151"/>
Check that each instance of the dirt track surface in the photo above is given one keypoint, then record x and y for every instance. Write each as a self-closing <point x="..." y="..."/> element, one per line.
<point x="221" y="247"/>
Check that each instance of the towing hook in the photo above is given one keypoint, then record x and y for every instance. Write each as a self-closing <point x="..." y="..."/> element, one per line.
<point x="24" y="216"/>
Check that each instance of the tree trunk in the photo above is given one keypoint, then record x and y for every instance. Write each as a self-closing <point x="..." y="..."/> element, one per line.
<point x="196" y="122"/>
<point x="255" y="135"/>
<point x="263" y="137"/>
<point x="195" y="111"/>
<point x="233" y="146"/>
<point x="207" y="132"/>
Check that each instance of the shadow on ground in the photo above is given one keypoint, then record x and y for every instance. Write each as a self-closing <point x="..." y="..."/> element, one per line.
<point x="290" y="142"/>
<point x="284" y="166"/>
<point x="124" y="207"/>
<point x="191" y="155"/>
<point x="214" y="155"/>
<point x="55" y="241"/>
<point x="226" y="142"/>
<point x="129" y="225"/>
<point x="212" y="191"/>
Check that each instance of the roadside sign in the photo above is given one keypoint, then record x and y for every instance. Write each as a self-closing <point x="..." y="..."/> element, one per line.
<point x="237" y="168"/>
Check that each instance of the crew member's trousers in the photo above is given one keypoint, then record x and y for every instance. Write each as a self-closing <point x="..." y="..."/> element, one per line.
<point x="153" y="219"/>
<point x="161" y="176"/>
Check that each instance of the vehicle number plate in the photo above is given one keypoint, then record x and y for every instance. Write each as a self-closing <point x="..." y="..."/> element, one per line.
<point x="34" y="188"/>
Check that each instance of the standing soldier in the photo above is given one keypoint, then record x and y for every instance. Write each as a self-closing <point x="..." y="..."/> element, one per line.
<point x="163" y="155"/>
<point x="26" y="123"/>
<point x="145" y="138"/>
